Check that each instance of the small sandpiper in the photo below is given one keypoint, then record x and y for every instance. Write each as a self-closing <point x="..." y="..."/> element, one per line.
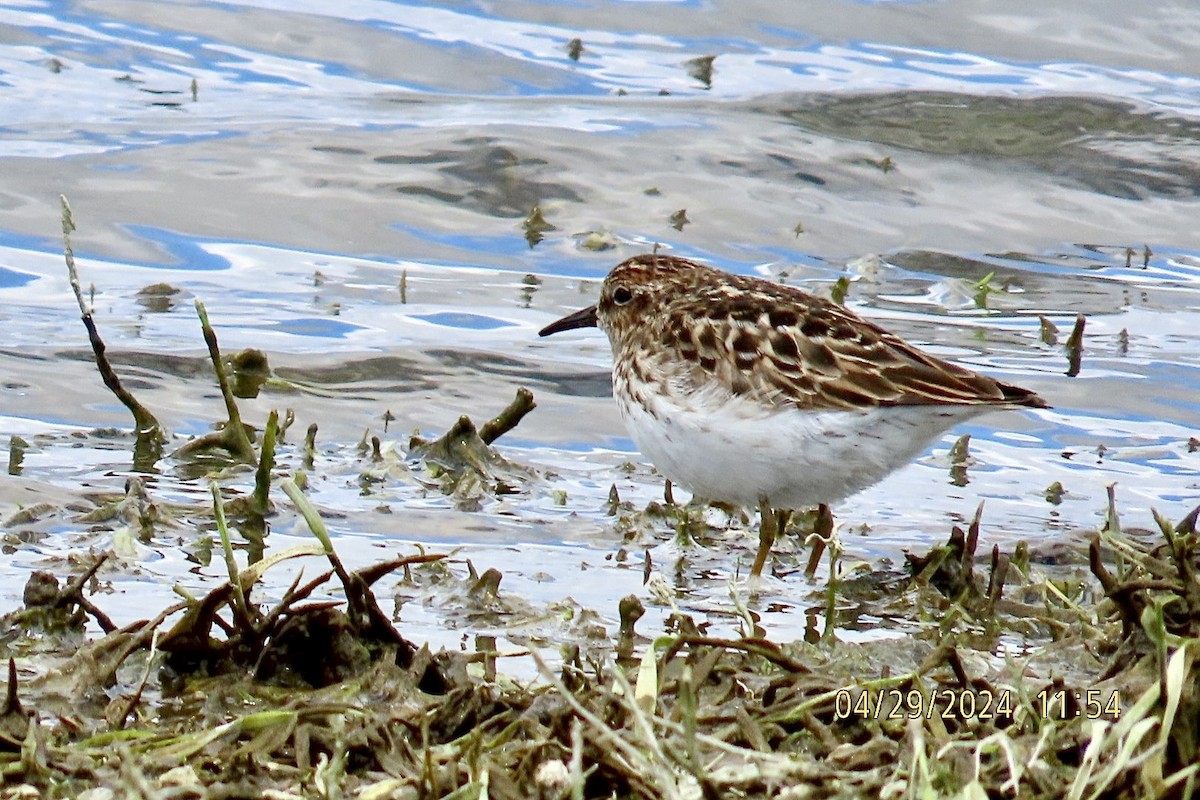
<point x="750" y="392"/>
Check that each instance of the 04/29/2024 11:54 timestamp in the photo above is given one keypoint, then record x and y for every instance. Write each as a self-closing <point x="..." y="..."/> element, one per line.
<point x="1053" y="702"/>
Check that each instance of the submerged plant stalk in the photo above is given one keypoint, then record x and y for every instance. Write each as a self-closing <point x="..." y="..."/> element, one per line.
<point x="235" y="433"/>
<point x="266" y="461"/>
<point x="240" y="607"/>
<point x="149" y="432"/>
<point x="509" y="418"/>
<point x="232" y="437"/>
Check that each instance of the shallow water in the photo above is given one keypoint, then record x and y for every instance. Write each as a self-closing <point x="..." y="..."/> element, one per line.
<point x="912" y="147"/>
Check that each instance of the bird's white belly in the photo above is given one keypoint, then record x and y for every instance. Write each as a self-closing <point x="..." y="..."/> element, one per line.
<point x="738" y="452"/>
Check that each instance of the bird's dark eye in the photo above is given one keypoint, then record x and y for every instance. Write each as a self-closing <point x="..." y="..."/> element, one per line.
<point x="622" y="295"/>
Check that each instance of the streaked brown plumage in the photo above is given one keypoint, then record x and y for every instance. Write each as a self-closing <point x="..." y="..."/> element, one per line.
<point x="746" y="391"/>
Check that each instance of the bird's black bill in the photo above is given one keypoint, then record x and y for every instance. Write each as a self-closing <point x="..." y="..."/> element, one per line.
<point x="583" y="318"/>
